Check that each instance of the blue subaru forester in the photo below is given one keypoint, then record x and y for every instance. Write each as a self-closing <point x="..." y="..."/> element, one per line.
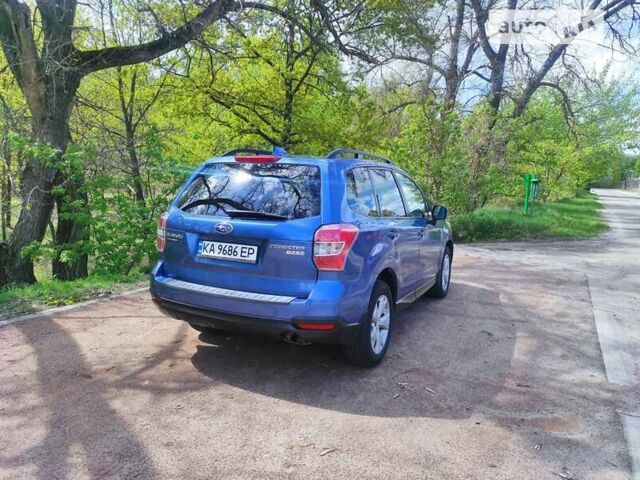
<point x="306" y="249"/>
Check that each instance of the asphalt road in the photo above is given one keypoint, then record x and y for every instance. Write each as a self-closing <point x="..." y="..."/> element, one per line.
<point x="528" y="370"/>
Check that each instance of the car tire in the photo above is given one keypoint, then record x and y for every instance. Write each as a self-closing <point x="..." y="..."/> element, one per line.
<point x="443" y="280"/>
<point x="374" y="333"/>
<point x="204" y="329"/>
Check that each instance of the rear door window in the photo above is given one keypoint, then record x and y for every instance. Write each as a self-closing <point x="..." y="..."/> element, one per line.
<point x="360" y="195"/>
<point x="284" y="190"/>
<point x="386" y="190"/>
<point x="412" y="196"/>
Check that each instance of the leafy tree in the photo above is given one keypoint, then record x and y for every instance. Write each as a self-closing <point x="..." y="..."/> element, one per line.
<point x="13" y="121"/>
<point x="49" y="66"/>
<point x="106" y="106"/>
<point x="266" y="81"/>
<point x="569" y="153"/>
<point x="123" y="229"/>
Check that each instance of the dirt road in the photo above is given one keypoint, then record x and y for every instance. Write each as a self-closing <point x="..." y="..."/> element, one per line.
<point x="528" y="370"/>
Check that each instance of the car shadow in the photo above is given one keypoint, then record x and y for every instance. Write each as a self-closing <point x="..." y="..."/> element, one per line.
<point x="442" y="362"/>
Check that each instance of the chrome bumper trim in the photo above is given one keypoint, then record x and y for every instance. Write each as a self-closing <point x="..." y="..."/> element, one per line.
<point x="226" y="293"/>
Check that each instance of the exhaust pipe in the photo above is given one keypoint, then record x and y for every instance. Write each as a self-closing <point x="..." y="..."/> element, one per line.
<point x="293" y="337"/>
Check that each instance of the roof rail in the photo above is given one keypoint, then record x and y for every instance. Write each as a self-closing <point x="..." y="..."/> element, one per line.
<point x="250" y="151"/>
<point x="340" y="152"/>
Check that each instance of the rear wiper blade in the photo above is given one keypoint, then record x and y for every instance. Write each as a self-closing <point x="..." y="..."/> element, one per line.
<point x="234" y="212"/>
<point x="254" y="214"/>
<point x="218" y="202"/>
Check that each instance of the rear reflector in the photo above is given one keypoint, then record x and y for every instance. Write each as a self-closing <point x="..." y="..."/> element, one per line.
<point x="331" y="245"/>
<point x="257" y="158"/>
<point x="162" y="231"/>
<point x="316" y="326"/>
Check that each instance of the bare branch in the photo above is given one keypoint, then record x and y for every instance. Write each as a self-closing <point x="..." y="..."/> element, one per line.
<point x="611" y="9"/>
<point x="91" y="61"/>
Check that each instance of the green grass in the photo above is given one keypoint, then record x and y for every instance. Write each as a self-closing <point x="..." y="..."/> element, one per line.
<point x="569" y="218"/>
<point x="19" y="300"/>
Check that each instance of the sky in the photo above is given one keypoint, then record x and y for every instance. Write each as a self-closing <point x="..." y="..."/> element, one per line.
<point x="591" y="47"/>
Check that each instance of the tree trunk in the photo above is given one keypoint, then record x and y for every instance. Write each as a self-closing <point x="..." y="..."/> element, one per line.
<point x="134" y="161"/>
<point x="497" y="58"/>
<point x="36" y="183"/>
<point x="497" y="83"/>
<point x="70" y="231"/>
<point x="452" y="74"/>
<point x="135" y="171"/>
<point x="3" y="218"/>
<point x="72" y="206"/>
<point x="6" y="192"/>
<point x="127" y="108"/>
<point x="49" y="93"/>
<point x="37" y="179"/>
<point x="287" y="112"/>
<point x="49" y="78"/>
<point x="536" y="80"/>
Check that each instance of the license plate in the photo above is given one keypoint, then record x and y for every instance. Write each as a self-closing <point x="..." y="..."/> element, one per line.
<point x="228" y="251"/>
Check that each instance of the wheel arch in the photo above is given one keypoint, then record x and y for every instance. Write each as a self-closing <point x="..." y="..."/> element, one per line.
<point x="449" y="245"/>
<point x="389" y="277"/>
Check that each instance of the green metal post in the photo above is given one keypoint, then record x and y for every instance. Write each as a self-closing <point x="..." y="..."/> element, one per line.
<point x="527" y="191"/>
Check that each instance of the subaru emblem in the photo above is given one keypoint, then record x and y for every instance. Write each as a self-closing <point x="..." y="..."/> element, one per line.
<point x="224" y="227"/>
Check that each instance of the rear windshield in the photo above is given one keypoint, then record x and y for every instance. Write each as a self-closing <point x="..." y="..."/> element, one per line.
<point x="290" y="191"/>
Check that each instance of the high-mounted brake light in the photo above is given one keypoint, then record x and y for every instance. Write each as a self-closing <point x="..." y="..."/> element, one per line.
<point x="332" y="244"/>
<point x="257" y="158"/>
<point x="162" y="232"/>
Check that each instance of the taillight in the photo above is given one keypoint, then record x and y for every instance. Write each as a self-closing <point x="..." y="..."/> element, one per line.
<point x="162" y="232"/>
<point x="331" y="245"/>
<point x="257" y="158"/>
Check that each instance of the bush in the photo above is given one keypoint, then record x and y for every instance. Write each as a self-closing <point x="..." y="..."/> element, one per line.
<point x="569" y="218"/>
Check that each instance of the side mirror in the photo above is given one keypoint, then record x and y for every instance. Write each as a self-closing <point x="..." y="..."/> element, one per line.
<point x="439" y="212"/>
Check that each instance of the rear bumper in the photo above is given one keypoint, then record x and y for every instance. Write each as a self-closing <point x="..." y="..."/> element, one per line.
<point x="344" y="333"/>
<point x="272" y="315"/>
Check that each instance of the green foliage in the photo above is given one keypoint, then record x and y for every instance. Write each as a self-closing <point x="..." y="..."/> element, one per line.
<point x="45" y="154"/>
<point x="473" y="160"/>
<point x="569" y="154"/>
<point x="406" y="23"/>
<point x="18" y="300"/>
<point x="264" y="84"/>
<point x="429" y="147"/>
<point x="123" y="230"/>
<point x="458" y="160"/>
<point x="257" y="79"/>
<point x="71" y="164"/>
<point x="569" y="218"/>
<point x="485" y="137"/>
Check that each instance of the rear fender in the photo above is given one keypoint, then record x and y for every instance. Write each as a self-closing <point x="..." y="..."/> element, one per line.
<point x="381" y="262"/>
